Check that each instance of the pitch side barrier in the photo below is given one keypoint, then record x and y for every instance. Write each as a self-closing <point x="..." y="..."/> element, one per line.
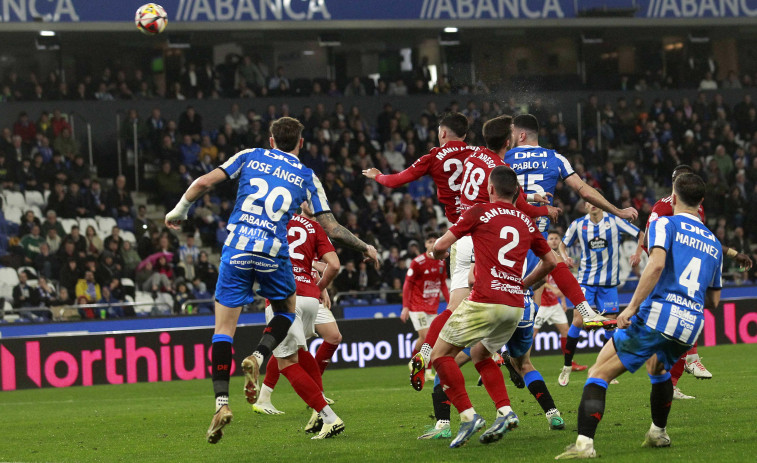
<point x="184" y="353"/>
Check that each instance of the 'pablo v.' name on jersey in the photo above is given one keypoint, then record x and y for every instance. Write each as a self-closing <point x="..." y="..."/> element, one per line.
<point x="539" y="170"/>
<point x="693" y="264"/>
<point x="272" y="185"/>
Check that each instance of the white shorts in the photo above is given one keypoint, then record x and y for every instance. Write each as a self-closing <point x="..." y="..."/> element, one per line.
<point x="421" y="320"/>
<point x="324" y="316"/>
<point x="492" y="324"/>
<point x="306" y="309"/>
<point x="461" y="256"/>
<point x="550" y="315"/>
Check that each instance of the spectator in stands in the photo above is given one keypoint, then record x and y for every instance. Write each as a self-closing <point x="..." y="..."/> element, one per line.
<point x="148" y="279"/>
<point x="208" y="151"/>
<point x="114" y="237"/>
<point x="189" y="151"/>
<point x="190" y="123"/>
<point x="79" y="241"/>
<point x="236" y="119"/>
<point x="355" y="88"/>
<point x="46" y="292"/>
<point x="189" y="249"/>
<point x="31" y="243"/>
<point x="114" y="310"/>
<point x="7" y="173"/>
<point x="25" y="128"/>
<point x="279" y="82"/>
<point x="347" y="280"/>
<point x="94" y="243"/>
<point x="708" y="82"/>
<point x="119" y="200"/>
<point x="130" y="259"/>
<point x="53" y="240"/>
<point x="51" y="221"/>
<point x="46" y="263"/>
<point x="182" y="295"/>
<point x="23" y="294"/>
<point x="207" y="272"/>
<point x="88" y="288"/>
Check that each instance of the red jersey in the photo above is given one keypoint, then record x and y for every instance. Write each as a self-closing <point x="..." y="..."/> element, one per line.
<point x="475" y="185"/>
<point x="502" y="236"/>
<point x="307" y="242"/>
<point x="445" y="166"/>
<point x="548" y="298"/>
<point x="425" y="278"/>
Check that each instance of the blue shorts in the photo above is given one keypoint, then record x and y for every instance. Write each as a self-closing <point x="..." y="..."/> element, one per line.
<point x="604" y="299"/>
<point x="637" y="343"/>
<point x="521" y="341"/>
<point x="239" y="270"/>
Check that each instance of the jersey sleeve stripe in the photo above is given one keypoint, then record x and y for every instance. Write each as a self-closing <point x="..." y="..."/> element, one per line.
<point x="322" y="201"/>
<point x="567" y="169"/>
<point x="627" y="227"/>
<point x="230" y="164"/>
<point x="660" y="233"/>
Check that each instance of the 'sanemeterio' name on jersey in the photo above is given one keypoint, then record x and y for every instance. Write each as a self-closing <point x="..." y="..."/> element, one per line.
<point x="491" y="213"/>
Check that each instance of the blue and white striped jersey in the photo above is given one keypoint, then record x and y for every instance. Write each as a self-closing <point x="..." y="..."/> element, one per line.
<point x="600" y="248"/>
<point x="693" y="264"/>
<point x="272" y="185"/>
<point x="538" y="171"/>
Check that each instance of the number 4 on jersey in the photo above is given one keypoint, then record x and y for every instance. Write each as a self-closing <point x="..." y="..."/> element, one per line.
<point x="689" y="279"/>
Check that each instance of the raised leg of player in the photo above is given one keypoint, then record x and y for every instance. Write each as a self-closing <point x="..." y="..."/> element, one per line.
<point x="221" y="357"/>
<point x="592" y="407"/>
<point x="331" y="340"/>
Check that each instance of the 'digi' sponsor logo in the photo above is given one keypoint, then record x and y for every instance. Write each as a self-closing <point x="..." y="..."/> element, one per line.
<point x="243" y="261"/>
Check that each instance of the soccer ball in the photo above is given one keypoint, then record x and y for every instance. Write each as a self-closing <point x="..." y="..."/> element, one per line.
<point x="151" y="19"/>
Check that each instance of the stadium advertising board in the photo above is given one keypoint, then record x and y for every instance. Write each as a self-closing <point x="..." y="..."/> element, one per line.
<point x="352" y="10"/>
<point x="166" y="355"/>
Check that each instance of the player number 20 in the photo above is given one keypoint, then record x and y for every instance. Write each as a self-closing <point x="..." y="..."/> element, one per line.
<point x="279" y="192"/>
<point x="511" y="235"/>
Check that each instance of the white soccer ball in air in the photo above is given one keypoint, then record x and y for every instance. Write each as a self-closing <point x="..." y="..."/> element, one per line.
<point x="151" y="19"/>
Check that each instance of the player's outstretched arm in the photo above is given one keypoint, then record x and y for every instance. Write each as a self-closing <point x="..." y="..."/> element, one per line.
<point x="563" y="250"/>
<point x="741" y="259"/>
<point x="344" y="236"/>
<point x="635" y="258"/>
<point x="591" y="195"/>
<point x="394" y="180"/>
<point x="195" y="191"/>
<point x="548" y="263"/>
<point x="331" y="260"/>
<point x="647" y="282"/>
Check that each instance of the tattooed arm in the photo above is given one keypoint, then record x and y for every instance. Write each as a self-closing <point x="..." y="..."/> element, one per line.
<point x="339" y="233"/>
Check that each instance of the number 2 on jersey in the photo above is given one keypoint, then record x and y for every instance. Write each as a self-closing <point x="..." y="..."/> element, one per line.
<point x="302" y="236"/>
<point x="273" y="214"/>
<point x="456" y="164"/>
<point x="504" y="234"/>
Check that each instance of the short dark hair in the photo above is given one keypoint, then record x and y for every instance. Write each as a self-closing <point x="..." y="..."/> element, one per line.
<point x="690" y="189"/>
<point x="286" y="133"/>
<point x="553" y="232"/>
<point x="505" y="182"/>
<point x="497" y="132"/>
<point x="527" y="122"/>
<point x="682" y="169"/>
<point x="457" y="123"/>
<point x="432" y="235"/>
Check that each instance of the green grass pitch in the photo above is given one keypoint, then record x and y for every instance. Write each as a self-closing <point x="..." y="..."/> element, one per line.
<point x="383" y="417"/>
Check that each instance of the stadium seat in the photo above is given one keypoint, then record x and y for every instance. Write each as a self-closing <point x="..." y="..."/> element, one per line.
<point x="143" y="297"/>
<point x="34" y="283"/>
<point x="8" y="276"/>
<point x="129" y="287"/>
<point x="13" y="214"/>
<point x="35" y="198"/>
<point x="8" y="315"/>
<point x="37" y="211"/>
<point x="14" y="199"/>
<point x="128" y="236"/>
<point x="6" y="291"/>
<point x="31" y="272"/>
<point x="106" y="224"/>
<point x="68" y="224"/>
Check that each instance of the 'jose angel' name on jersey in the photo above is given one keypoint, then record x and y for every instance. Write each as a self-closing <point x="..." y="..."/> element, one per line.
<point x="693" y="264"/>
<point x="272" y="185"/>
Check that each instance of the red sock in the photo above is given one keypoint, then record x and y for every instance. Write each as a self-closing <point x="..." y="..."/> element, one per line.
<point x="693" y="350"/>
<point x="436" y="327"/>
<point x="677" y="369"/>
<point x="451" y="376"/>
<point x="567" y="283"/>
<point x="324" y="353"/>
<point x="494" y="382"/>
<point x="564" y="344"/>
<point x="415" y="351"/>
<point x="271" y="373"/>
<point x="308" y="363"/>
<point x="304" y="386"/>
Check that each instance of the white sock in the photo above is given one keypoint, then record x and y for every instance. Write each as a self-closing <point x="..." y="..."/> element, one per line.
<point x="426" y="352"/>
<point x="583" y="442"/>
<point x="441" y="423"/>
<point x="585" y="310"/>
<point x="692" y="358"/>
<point x="552" y="412"/>
<point x="328" y="415"/>
<point x="265" y="394"/>
<point x="467" y="415"/>
<point x="221" y="400"/>
<point x="503" y="411"/>
<point x="259" y="358"/>
<point x="656" y="429"/>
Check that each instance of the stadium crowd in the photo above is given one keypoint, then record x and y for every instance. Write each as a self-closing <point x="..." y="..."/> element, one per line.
<point x="81" y="237"/>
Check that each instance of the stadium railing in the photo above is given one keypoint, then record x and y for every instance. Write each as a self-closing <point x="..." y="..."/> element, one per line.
<point x="94" y="307"/>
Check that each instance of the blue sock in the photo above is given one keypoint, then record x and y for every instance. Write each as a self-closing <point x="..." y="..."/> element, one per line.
<point x="574" y="331"/>
<point x="532" y="376"/>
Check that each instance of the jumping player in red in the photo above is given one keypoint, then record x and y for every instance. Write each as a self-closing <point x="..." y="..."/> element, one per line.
<point x="502" y="235"/>
<point x="426" y="279"/>
<point x="307" y="242"/>
<point x="689" y="361"/>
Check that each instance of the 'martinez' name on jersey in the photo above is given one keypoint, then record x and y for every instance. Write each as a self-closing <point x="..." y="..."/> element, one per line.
<point x="693" y="264"/>
<point x="539" y="170"/>
<point x="272" y="185"/>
